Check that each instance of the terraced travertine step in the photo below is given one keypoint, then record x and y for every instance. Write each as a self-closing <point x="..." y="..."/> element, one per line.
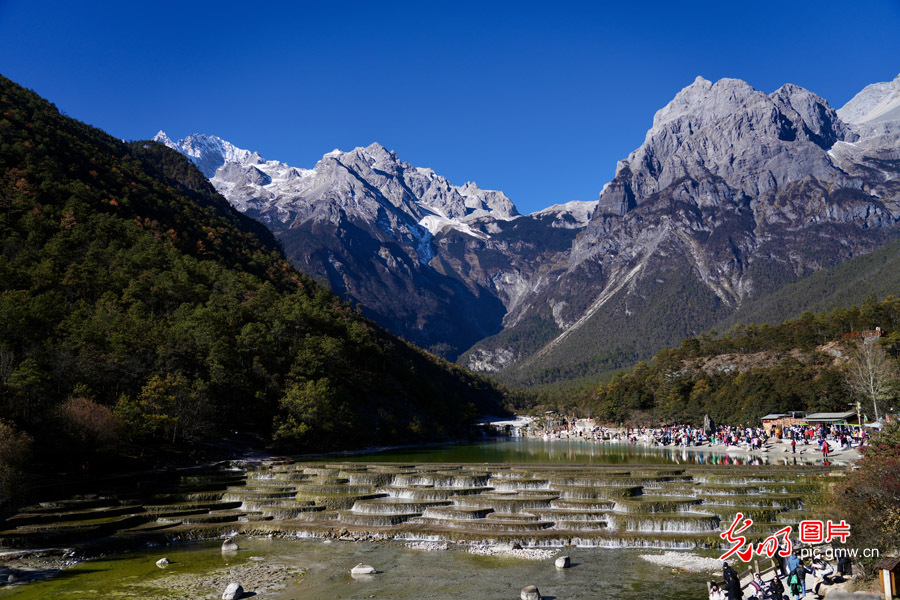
<point x="260" y="479"/>
<point x="322" y="471"/>
<point x="388" y="506"/>
<point x="266" y="486"/>
<point x="655" y="504"/>
<point x="521" y="483"/>
<point x="374" y="520"/>
<point x="312" y="489"/>
<point x="46" y="534"/>
<point x="756" y="500"/>
<point x="597" y="492"/>
<point x="106" y="523"/>
<point x="430" y="493"/>
<point x="170" y="515"/>
<point x="580" y="525"/>
<point x="337" y="501"/>
<point x="456" y="513"/>
<point x="371" y="479"/>
<point x="161" y="509"/>
<point x="532" y="504"/>
<point x="727" y="513"/>
<point x="663" y="522"/>
<point x="25" y="518"/>
<point x="287" y="512"/>
<point x="484" y="525"/>
<point x="150" y="527"/>
<point x="505" y="504"/>
<point x="566" y="514"/>
<point x="221" y="516"/>
<point x="241" y="496"/>
<point x="71" y="505"/>
<point x="584" y="504"/>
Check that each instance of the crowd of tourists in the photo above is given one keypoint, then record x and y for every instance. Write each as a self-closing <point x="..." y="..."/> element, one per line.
<point x="826" y="437"/>
<point x="789" y="581"/>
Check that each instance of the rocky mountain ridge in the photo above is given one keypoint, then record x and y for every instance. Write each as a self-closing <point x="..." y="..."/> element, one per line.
<point x="733" y="194"/>
<point x="434" y="262"/>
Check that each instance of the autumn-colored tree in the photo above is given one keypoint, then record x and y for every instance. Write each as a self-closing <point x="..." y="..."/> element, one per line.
<point x="15" y="448"/>
<point x="869" y="498"/>
<point x="92" y="426"/>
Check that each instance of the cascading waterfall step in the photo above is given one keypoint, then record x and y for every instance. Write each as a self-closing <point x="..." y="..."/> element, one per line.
<point x="541" y="505"/>
<point x="387" y="506"/>
<point x="663" y="522"/>
<point x="455" y="513"/>
<point x="430" y="493"/>
<point x="374" y="519"/>
<point x="656" y="504"/>
<point x="578" y="525"/>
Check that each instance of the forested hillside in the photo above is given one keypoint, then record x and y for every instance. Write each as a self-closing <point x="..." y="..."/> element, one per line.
<point x="138" y="309"/>
<point x="742" y="375"/>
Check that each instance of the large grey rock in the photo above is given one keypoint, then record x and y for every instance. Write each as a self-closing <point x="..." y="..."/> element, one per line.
<point x="229" y="545"/>
<point x="163" y="563"/>
<point x="530" y="592"/>
<point x="563" y="562"/>
<point x="363" y="569"/>
<point x="233" y="592"/>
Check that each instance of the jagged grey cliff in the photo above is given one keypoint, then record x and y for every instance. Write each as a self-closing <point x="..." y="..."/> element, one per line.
<point x="733" y="194"/>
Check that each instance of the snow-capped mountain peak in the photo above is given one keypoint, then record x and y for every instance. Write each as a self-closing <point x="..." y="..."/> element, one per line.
<point x="208" y="152"/>
<point x="369" y="182"/>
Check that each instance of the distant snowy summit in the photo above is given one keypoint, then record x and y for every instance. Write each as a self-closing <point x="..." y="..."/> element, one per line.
<point x="370" y="182"/>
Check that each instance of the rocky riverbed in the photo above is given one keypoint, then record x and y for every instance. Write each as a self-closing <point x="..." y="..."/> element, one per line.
<point x="259" y="575"/>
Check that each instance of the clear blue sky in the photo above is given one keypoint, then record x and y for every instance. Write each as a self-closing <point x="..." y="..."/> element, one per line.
<point x="537" y="99"/>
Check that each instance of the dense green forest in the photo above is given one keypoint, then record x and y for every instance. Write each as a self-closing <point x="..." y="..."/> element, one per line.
<point x="138" y="310"/>
<point x="739" y="376"/>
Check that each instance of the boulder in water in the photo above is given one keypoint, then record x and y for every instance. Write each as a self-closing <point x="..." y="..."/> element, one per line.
<point x="530" y="592"/>
<point x="233" y="592"/>
<point x="563" y="562"/>
<point x="163" y="563"/>
<point x="362" y="569"/>
<point x="229" y="545"/>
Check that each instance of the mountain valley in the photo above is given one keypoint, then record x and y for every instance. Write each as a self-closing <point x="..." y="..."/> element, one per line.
<point x="734" y="195"/>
